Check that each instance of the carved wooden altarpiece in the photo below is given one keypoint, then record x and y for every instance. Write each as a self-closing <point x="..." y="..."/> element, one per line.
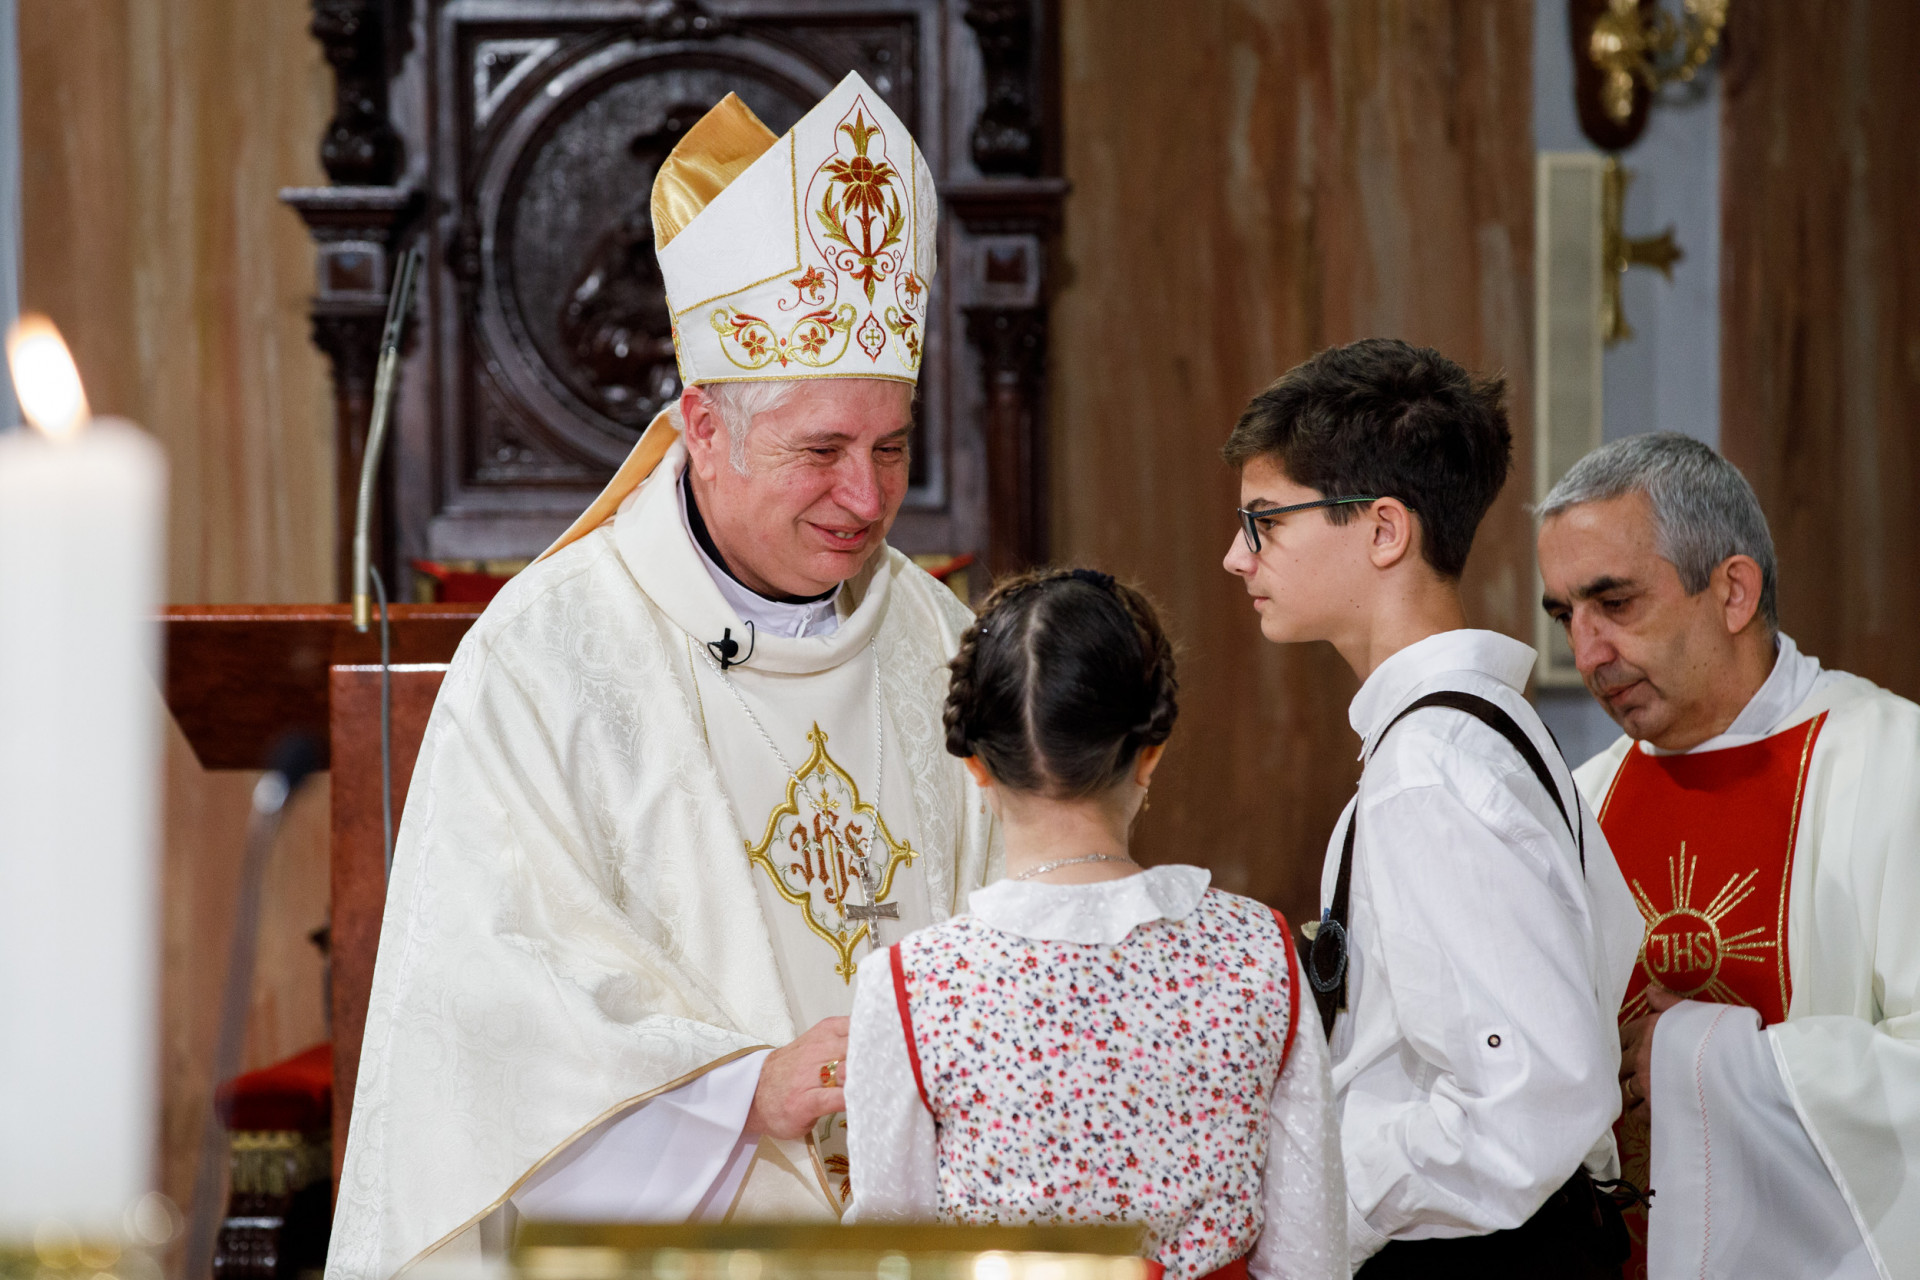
<point x="518" y="140"/>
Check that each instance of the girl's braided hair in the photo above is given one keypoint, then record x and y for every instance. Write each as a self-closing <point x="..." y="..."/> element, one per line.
<point x="1061" y="681"/>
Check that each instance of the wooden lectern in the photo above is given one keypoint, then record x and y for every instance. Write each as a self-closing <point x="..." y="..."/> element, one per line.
<point x="240" y="677"/>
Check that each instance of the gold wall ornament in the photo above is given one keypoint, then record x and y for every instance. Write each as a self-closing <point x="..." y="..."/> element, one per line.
<point x="1625" y="51"/>
<point x="1630" y="42"/>
<point x="1619" y="251"/>
<point x="833" y="851"/>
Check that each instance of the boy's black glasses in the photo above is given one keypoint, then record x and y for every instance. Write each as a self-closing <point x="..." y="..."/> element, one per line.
<point x="1250" y="517"/>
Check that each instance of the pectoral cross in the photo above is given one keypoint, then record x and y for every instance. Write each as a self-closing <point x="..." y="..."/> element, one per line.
<point x="872" y="911"/>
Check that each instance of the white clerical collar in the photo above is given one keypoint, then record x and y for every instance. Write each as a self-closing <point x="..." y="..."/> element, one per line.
<point x="1103" y="912"/>
<point x="793" y="619"/>
<point x="1790" y="683"/>
<point x="1393" y="682"/>
<point x="654" y="543"/>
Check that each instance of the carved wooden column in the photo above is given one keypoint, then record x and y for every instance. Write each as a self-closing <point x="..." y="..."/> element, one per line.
<point x="356" y="225"/>
<point x="1013" y="354"/>
<point x="1011" y="216"/>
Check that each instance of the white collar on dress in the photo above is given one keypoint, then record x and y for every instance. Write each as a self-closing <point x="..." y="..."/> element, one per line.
<point x="1104" y="912"/>
<point x="769" y="617"/>
<point x="1789" y="684"/>
<point x="1392" y="683"/>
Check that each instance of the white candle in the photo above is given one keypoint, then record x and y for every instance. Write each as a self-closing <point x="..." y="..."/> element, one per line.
<point x="81" y="510"/>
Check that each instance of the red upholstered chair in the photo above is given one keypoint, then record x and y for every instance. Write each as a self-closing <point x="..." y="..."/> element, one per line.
<point x="280" y="1204"/>
<point x="457" y="584"/>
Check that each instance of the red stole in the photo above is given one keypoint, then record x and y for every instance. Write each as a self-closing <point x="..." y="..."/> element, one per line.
<point x="1706" y="845"/>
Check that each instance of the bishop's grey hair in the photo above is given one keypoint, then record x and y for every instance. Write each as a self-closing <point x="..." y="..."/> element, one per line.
<point x="1703" y="508"/>
<point x="738" y="404"/>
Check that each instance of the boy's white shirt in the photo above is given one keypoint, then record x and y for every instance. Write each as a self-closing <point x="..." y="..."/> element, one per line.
<point x="890" y="1136"/>
<point x="1477" y="1065"/>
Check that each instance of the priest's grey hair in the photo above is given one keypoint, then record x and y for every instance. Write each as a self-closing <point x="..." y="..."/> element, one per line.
<point x="1703" y="509"/>
<point x="738" y="404"/>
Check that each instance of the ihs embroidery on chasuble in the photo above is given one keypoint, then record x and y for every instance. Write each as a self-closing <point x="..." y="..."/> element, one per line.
<point x="1706" y="845"/>
<point x="1688" y="944"/>
<point x="830" y="854"/>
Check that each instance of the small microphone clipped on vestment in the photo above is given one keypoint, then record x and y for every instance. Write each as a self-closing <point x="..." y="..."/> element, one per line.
<point x="726" y="646"/>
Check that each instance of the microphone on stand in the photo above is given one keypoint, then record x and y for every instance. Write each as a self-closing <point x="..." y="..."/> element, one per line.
<point x="294" y="760"/>
<point x="399" y="304"/>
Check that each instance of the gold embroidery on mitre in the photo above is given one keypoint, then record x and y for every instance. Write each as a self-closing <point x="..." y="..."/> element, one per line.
<point x="863" y="205"/>
<point x="829" y="851"/>
<point x="1683" y="948"/>
<point x="807" y="341"/>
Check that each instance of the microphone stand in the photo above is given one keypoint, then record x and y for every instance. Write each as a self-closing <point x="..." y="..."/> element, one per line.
<point x="385" y="384"/>
<point x="399" y="302"/>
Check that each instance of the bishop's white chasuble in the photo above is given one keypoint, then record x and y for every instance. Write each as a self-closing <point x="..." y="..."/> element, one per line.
<point x="1778" y="869"/>
<point x="622" y="867"/>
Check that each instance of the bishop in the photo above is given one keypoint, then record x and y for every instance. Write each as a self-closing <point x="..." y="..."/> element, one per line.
<point x="688" y="767"/>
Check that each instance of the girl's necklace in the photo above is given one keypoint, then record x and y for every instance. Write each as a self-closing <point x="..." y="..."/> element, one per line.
<point x="1055" y="865"/>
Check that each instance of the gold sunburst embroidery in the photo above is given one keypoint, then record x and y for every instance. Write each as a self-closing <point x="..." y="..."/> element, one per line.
<point x="830" y="850"/>
<point x="1684" y="948"/>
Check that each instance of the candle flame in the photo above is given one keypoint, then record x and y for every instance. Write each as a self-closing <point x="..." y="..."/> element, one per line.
<point x="44" y="378"/>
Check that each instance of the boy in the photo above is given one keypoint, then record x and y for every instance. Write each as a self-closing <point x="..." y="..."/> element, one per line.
<point x="1476" y="936"/>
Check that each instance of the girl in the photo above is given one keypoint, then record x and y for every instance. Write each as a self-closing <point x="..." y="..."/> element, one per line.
<point x="1092" y="1041"/>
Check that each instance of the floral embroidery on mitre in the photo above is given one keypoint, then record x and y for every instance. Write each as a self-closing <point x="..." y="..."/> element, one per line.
<point x="809" y="341"/>
<point x="863" y="223"/>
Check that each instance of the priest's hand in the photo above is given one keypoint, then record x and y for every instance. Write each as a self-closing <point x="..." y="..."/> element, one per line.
<point x="790" y="1097"/>
<point x="1636" y="1057"/>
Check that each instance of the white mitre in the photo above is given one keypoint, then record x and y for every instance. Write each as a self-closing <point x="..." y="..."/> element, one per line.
<point x="805" y="256"/>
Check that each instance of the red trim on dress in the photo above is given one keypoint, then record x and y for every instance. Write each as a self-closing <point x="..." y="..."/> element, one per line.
<point x="906" y="1023"/>
<point x="1235" y="1270"/>
<point x="1293" y="994"/>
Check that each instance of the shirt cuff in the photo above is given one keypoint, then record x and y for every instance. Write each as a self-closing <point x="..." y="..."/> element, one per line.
<point x="1362" y="1240"/>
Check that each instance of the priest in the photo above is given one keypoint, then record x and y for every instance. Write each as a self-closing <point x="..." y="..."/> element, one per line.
<point x="1766" y="815"/>
<point x="688" y="768"/>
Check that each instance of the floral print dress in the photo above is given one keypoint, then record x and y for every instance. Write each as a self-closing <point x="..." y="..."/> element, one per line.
<point x="1126" y="1051"/>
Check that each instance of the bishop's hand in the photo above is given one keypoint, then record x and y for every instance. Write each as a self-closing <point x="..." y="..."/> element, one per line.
<point x="1636" y="1057"/>
<point x="790" y="1096"/>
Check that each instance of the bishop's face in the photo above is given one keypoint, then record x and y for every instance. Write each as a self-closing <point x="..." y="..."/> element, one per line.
<point x="825" y="475"/>
<point x="1655" y="657"/>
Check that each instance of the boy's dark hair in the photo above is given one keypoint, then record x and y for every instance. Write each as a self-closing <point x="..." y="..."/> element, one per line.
<point x="1061" y="682"/>
<point x="1381" y="417"/>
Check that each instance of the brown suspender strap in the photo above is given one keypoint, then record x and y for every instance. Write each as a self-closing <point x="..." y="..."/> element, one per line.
<point x="1318" y="956"/>
<point x="906" y="1023"/>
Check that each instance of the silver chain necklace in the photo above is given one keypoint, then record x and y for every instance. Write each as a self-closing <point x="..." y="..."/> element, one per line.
<point x="873" y="911"/>
<point x="1058" y="863"/>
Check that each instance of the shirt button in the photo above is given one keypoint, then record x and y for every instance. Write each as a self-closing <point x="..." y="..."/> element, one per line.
<point x="1493" y="1042"/>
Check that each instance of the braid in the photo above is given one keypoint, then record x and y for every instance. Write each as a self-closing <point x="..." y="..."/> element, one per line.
<point x="1059" y="684"/>
<point x="961" y="694"/>
<point x="1163" y="686"/>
